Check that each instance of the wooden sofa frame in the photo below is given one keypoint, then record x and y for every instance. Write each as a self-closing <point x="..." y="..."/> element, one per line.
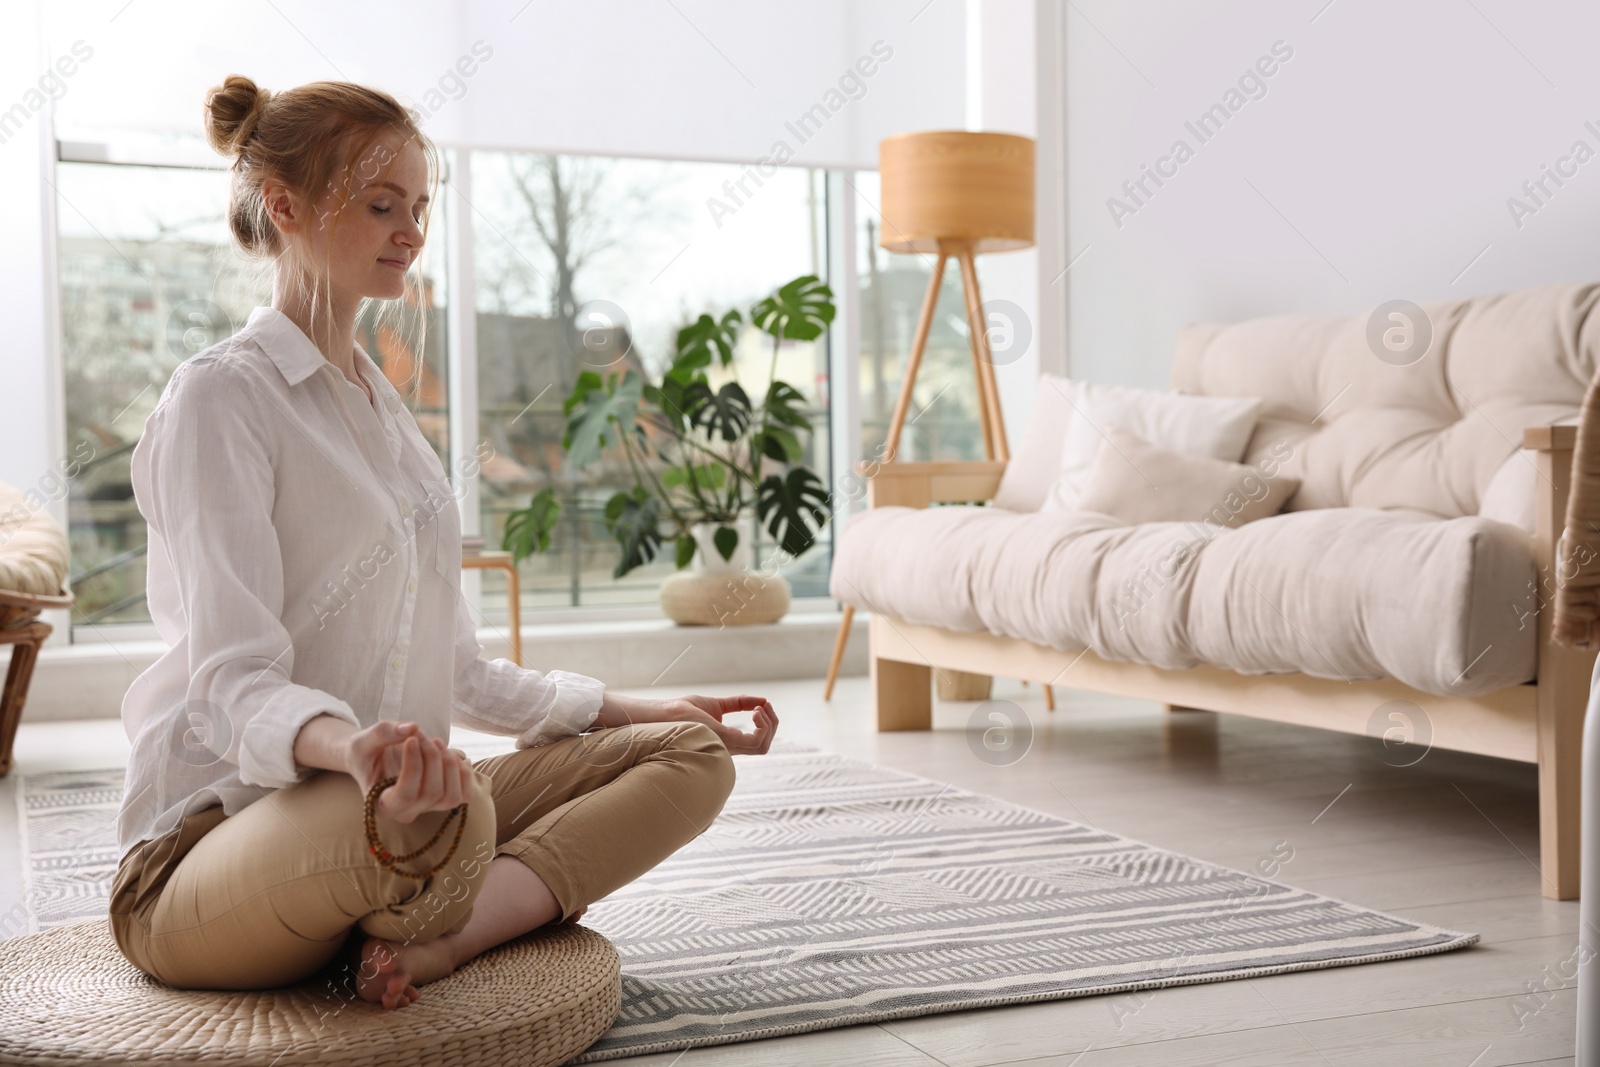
<point x="1537" y="722"/>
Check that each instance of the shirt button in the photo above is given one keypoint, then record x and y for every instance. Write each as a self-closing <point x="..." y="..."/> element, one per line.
<point x="405" y="509"/>
<point x="411" y="586"/>
<point x="397" y="662"/>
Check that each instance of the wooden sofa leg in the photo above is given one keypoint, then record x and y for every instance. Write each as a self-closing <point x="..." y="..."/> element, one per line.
<point x="963" y="685"/>
<point x="903" y="693"/>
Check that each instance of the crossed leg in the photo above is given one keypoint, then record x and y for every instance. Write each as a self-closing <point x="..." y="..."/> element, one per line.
<point x="575" y="820"/>
<point x="271" y="895"/>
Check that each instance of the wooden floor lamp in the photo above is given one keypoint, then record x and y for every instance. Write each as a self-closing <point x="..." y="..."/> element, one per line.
<point x="951" y="193"/>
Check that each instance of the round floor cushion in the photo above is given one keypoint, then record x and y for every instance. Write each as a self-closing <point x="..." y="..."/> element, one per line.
<point x="67" y="996"/>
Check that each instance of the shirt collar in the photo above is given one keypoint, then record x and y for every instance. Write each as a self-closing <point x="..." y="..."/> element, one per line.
<point x="286" y="344"/>
<point x="295" y="356"/>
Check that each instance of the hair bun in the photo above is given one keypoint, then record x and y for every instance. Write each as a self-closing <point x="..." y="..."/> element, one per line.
<point x="232" y="111"/>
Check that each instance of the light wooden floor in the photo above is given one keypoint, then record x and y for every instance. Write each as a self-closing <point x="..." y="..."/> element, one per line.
<point x="1450" y="841"/>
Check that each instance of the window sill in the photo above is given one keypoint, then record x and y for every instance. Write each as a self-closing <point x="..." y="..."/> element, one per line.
<point x="88" y="680"/>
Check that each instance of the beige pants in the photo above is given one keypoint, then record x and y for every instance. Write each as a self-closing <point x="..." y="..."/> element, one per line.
<point x="269" y="895"/>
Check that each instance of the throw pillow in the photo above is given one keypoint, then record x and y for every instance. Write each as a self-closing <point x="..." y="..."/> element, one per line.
<point x="1218" y="427"/>
<point x="1136" y="481"/>
<point x="1032" y="468"/>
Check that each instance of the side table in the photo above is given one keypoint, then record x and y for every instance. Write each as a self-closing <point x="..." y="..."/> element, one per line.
<point x="502" y="561"/>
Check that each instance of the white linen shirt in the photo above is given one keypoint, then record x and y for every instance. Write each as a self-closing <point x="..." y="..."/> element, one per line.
<point x="304" y="558"/>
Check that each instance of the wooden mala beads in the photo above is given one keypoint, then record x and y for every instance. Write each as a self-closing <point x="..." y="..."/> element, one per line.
<point x="390" y="861"/>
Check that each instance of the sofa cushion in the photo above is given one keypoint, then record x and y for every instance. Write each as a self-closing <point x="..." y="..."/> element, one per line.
<point x="1444" y="606"/>
<point x="1429" y="435"/>
<point x="1346" y="593"/>
<point x="1136" y="481"/>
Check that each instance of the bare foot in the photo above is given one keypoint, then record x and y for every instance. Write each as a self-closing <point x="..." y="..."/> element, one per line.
<point x="389" y="972"/>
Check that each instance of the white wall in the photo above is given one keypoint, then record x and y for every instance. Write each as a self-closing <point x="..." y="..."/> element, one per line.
<point x="1002" y="96"/>
<point x="1378" y="164"/>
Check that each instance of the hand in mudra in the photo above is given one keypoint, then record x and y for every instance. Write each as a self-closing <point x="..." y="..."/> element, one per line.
<point x="708" y="710"/>
<point x="429" y="775"/>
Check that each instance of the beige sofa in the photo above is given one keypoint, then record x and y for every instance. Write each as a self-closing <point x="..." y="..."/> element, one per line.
<point x="1412" y="564"/>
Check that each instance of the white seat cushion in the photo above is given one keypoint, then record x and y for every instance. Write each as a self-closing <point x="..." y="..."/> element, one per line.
<point x="1345" y="593"/>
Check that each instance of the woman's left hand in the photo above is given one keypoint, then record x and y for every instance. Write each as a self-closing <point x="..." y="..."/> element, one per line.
<point x="618" y="710"/>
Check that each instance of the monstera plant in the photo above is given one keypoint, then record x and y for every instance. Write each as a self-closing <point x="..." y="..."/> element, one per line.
<point x="700" y="456"/>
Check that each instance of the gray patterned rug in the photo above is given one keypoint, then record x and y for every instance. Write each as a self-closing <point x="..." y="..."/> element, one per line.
<point x="68" y="826"/>
<point x="831" y="892"/>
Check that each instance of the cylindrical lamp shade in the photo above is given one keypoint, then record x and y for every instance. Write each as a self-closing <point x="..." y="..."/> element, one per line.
<point x="956" y="186"/>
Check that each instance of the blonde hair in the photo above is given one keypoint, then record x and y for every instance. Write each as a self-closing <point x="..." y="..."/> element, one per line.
<point x="315" y="139"/>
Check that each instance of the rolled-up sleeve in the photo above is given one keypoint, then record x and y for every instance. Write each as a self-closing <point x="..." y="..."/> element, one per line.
<point x="498" y="697"/>
<point x="203" y="478"/>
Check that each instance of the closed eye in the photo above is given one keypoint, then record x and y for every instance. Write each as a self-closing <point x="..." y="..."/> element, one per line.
<point x="384" y="211"/>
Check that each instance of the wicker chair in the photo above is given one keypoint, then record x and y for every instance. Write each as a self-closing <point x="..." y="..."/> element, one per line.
<point x="25" y="632"/>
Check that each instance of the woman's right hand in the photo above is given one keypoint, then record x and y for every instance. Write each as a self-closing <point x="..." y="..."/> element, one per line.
<point x="429" y="775"/>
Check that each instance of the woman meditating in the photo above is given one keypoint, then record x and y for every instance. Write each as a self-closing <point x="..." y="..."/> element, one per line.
<point x="290" y="795"/>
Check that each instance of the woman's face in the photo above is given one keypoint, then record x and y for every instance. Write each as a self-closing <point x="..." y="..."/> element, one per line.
<point x="378" y="234"/>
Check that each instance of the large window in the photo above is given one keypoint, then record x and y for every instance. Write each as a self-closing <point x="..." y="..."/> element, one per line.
<point x="578" y="263"/>
<point x="587" y="263"/>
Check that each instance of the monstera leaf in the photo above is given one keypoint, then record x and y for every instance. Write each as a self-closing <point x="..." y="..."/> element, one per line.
<point x="528" y="531"/>
<point x="594" y="408"/>
<point x="726" y="539"/>
<point x="725" y="412"/>
<point x="798" y="311"/>
<point x="669" y="400"/>
<point x="697" y="452"/>
<point x="703" y="340"/>
<point x="792" y="505"/>
<point x="633" y="519"/>
<point x="776" y="439"/>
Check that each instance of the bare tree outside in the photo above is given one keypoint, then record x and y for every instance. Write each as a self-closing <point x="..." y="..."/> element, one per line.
<point x="564" y="241"/>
